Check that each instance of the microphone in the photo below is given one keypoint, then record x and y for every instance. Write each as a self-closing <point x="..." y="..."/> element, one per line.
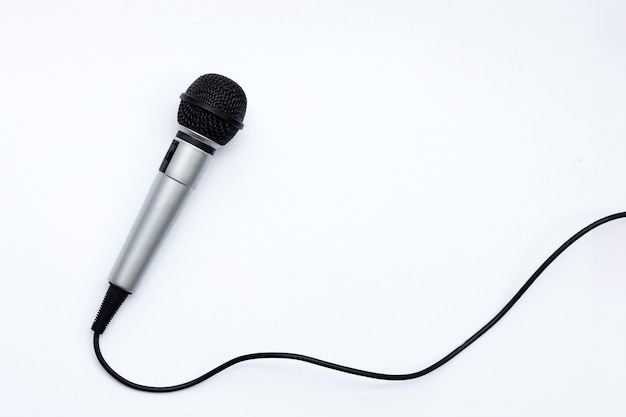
<point x="211" y="112"/>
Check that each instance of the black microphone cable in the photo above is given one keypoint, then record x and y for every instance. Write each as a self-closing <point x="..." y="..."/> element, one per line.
<point x="354" y="371"/>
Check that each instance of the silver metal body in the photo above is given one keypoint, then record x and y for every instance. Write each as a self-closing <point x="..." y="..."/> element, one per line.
<point x="159" y="211"/>
<point x="199" y="137"/>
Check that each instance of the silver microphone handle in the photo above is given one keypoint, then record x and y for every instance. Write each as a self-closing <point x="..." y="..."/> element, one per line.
<point x="183" y="165"/>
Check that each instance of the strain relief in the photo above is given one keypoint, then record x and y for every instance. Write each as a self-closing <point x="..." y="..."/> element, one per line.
<point x="113" y="299"/>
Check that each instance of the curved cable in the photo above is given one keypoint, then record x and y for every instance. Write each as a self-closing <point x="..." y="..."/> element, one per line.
<point x="354" y="371"/>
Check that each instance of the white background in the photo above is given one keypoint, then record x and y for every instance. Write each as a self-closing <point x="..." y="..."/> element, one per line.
<point x="404" y="167"/>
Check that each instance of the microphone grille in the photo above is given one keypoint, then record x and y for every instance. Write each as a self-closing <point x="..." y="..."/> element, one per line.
<point x="220" y="93"/>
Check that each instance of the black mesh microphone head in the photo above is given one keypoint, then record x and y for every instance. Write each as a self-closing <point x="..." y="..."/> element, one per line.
<point x="213" y="106"/>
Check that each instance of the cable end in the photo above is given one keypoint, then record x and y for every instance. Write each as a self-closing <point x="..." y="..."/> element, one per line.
<point x="113" y="299"/>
